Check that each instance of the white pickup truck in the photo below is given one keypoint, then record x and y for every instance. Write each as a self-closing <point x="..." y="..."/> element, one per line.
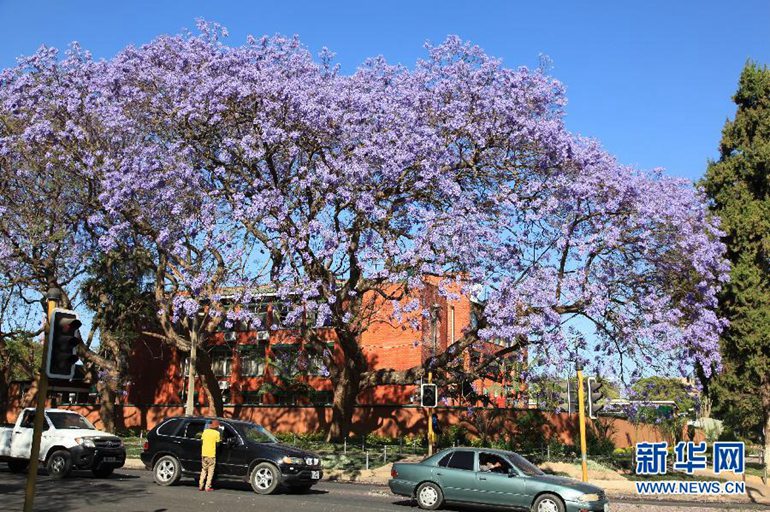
<point x="69" y="441"/>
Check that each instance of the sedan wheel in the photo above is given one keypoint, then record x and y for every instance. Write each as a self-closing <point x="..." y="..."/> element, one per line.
<point x="548" y="503"/>
<point x="166" y="471"/>
<point x="429" y="496"/>
<point x="264" y="478"/>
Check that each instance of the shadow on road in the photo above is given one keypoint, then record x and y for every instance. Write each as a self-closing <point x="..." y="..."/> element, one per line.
<point x="237" y="485"/>
<point x="82" y="489"/>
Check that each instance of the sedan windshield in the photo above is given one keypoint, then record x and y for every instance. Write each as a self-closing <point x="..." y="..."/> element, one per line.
<point x="257" y="433"/>
<point x="524" y="465"/>
<point x="68" y="420"/>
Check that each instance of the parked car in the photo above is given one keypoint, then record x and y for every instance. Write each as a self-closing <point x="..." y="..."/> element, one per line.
<point x="248" y="452"/>
<point x="491" y="477"/>
<point x="69" y="441"/>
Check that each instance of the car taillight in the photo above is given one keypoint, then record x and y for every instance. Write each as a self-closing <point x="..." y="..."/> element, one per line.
<point x="393" y="473"/>
<point x="146" y="446"/>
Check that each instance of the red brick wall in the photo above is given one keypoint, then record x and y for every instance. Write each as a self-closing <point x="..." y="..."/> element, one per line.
<point x="156" y="375"/>
<point x="388" y="421"/>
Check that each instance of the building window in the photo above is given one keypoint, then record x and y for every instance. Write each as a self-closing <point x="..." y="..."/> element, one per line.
<point x="259" y="311"/>
<point x="318" y="397"/>
<point x="451" y="325"/>
<point x="311" y="319"/>
<point x="253" y="360"/>
<point x="283" y="397"/>
<point x="286" y="360"/>
<point x="221" y="363"/>
<point x="251" y="397"/>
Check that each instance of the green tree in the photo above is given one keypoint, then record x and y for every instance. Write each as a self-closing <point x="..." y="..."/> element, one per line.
<point x="672" y="421"/>
<point x="738" y="185"/>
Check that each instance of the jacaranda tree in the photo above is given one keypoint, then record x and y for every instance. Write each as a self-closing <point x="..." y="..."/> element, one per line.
<point x="241" y="165"/>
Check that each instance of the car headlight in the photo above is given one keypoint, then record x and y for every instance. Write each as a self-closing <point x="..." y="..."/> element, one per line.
<point x="293" y="460"/>
<point x="85" y="441"/>
<point x="589" y="497"/>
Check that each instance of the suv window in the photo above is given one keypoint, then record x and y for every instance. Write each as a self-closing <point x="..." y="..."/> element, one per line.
<point x="228" y="433"/>
<point x="169" y="428"/>
<point x="462" y="460"/>
<point x="195" y="429"/>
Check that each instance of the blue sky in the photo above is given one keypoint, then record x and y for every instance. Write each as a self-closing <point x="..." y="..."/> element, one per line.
<point x="652" y="80"/>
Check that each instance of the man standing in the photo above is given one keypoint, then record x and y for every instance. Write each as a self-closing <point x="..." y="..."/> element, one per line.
<point x="209" y="440"/>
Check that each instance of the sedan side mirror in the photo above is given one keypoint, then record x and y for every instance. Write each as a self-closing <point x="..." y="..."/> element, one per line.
<point x="511" y="473"/>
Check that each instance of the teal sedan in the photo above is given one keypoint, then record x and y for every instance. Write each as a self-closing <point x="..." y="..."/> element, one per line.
<point x="491" y="477"/>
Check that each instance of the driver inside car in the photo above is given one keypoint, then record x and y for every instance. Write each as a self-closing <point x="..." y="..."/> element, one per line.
<point x="492" y="465"/>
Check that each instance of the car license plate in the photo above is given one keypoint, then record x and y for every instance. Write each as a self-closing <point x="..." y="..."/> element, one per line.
<point x="109" y="459"/>
<point x="606" y="507"/>
<point x="315" y="475"/>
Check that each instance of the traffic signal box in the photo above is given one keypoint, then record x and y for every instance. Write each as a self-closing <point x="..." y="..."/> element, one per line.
<point x="63" y="339"/>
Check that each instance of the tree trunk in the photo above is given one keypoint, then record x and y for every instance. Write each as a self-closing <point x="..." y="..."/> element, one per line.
<point x="107" y="394"/>
<point x="4" y="394"/>
<point x="346" y="388"/>
<point x="766" y="452"/>
<point x="210" y="384"/>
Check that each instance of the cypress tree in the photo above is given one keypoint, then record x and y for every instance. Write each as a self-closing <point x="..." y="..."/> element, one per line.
<point x="738" y="185"/>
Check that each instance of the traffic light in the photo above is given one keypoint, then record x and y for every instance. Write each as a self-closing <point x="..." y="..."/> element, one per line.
<point x="568" y="398"/>
<point x="428" y="395"/>
<point x="63" y="339"/>
<point x="594" y="389"/>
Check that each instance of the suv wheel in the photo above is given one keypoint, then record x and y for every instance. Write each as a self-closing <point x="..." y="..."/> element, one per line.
<point x="429" y="496"/>
<point x="167" y="470"/>
<point x="265" y="478"/>
<point x="59" y="464"/>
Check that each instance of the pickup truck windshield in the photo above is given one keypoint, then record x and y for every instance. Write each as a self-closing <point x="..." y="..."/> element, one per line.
<point x="257" y="433"/>
<point x="66" y="420"/>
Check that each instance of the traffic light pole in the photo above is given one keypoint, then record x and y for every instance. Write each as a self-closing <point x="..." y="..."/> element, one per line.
<point x="582" y="419"/>
<point x="53" y="297"/>
<point x="430" y="420"/>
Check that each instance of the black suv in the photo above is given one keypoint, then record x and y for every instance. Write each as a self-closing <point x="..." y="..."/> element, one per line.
<point x="248" y="452"/>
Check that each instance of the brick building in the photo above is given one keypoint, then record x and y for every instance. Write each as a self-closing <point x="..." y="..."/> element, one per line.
<point x="271" y="365"/>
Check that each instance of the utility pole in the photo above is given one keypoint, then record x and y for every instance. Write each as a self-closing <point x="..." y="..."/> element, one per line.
<point x="53" y="296"/>
<point x="582" y="419"/>
<point x="434" y="310"/>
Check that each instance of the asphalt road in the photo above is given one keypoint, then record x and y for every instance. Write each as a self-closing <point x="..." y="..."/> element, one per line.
<point x="134" y="491"/>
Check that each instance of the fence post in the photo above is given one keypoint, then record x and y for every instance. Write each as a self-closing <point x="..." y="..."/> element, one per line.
<point x="293" y="438"/>
<point x="345" y="446"/>
<point x="385" y="453"/>
<point x="367" y="459"/>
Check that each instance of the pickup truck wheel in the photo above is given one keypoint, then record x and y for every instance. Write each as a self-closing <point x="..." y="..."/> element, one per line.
<point x="18" y="466"/>
<point x="167" y="470"/>
<point x="59" y="464"/>
<point x="102" y="472"/>
<point x="429" y="496"/>
<point x="265" y="478"/>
